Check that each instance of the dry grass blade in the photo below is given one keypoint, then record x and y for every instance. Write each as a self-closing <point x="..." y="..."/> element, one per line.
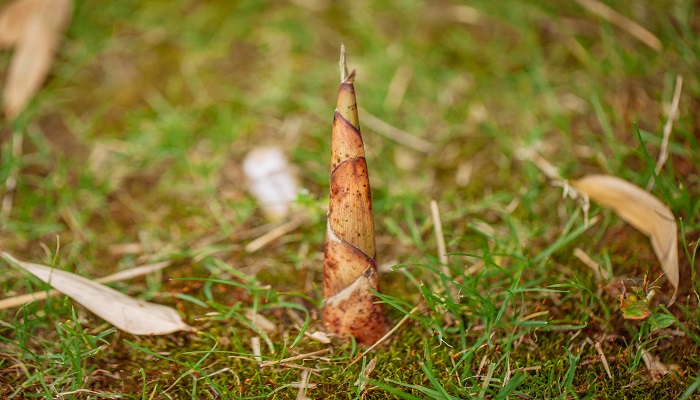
<point x="672" y="114"/>
<point x="255" y="346"/>
<point x="303" y="386"/>
<point x="643" y="211"/>
<point x="439" y="236"/>
<point x="298" y="357"/>
<point x="34" y="53"/>
<point x="601" y="354"/>
<point x="273" y="234"/>
<point x="131" y="315"/>
<point x="622" y="22"/>
<point x="396" y="134"/>
<point x="600" y="274"/>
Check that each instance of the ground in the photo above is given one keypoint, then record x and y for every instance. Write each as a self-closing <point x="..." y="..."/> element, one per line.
<point x="131" y="154"/>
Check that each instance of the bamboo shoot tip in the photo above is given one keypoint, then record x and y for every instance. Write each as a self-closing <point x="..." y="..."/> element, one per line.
<point x="343" y="64"/>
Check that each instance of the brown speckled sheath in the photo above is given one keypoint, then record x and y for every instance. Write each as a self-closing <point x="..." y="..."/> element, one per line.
<point x="349" y="267"/>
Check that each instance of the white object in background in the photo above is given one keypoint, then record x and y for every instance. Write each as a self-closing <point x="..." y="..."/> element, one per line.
<point x="271" y="180"/>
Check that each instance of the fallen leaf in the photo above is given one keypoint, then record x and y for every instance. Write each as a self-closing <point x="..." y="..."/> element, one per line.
<point x="304" y="386"/>
<point x="13" y="20"/>
<point x="17" y="301"/>
<point x="643" y="211"/>
<point x="656" y="368"/>
<point x="34" y="52"/>
<point x="260" y="322"/>
<point x="131" y="315"/>
<point x="271" y="180"/>
<point x="320" y="336"/>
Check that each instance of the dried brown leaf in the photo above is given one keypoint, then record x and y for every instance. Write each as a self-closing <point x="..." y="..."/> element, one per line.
<point x="17" y="301"/>
<point x="131" y="315"/>
<point x="643" y="211"/>
<point x="13" y="20"/>
<point x="34" y="53"/>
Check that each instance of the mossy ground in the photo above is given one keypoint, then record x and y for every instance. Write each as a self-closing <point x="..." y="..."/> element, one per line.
<point x="131" y="154"/>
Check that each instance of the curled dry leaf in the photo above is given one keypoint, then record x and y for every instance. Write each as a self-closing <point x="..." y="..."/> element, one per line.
<point x="349" y="266"/>
<point x="131" y="315"/>
<point x="36" y="29"/>
<point x="643" y="211"/>
<point x="271" y="180"/>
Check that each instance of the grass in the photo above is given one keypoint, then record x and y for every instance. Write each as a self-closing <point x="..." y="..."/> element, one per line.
<point x="131" y="154"/>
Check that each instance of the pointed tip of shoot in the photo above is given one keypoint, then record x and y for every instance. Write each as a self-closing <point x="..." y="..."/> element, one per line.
<point x="345" y="77"/>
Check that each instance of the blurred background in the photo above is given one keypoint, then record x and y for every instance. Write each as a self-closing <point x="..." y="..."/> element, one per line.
<point x="134" y="146"/>
<point x="150" y="107"/>
<point x="132" y="151"/>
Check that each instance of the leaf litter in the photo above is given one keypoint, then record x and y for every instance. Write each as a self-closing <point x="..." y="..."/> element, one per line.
<point x="131" y="315"/>
<point x="35" y="28"/>
<point x="643" y="211"/>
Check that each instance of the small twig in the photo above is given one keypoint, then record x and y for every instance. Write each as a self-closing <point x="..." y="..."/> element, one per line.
<point x="255" y="346"/>
<point x="273" y="234"/>
<point x="304" y="385"/>
<point x="397" y="87"/>
<point x="303" y="368"/>
<point x="534" y="315"/>
<point x="549" y="170"/>
<point x="440" y="237"/>
<point x="343" y="64"/>
<point x="299" y="357"/>
<point x="395" y="134"/>
<point x="622" y="22"/>
<point x="672" y="113"/>
<point x="82" y="391"/>
<point x="588" y="261"/>
<point x="345" y="77"/>
<point x="603" y="358"/>
<point x="221" y="371"/>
